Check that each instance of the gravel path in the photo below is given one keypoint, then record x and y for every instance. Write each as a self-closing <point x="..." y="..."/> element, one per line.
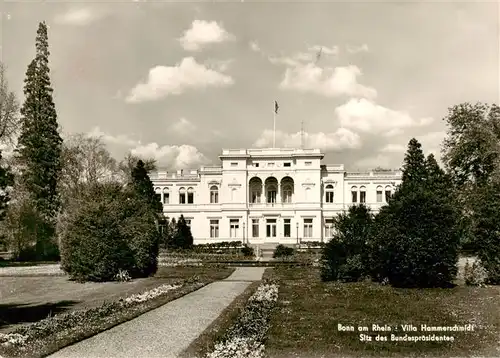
<point x="168" y="330"/>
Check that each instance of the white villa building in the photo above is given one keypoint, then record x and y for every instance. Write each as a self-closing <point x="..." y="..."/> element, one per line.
<point x="261" y="196"/>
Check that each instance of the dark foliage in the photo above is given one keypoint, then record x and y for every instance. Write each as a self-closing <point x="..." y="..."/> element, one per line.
<point x="487" y="231"/>
<point x="39" y="145"/>
<point x="143" y="185"/>
<point x="110" y="230"/>
<point x="247" y="251"/>
<point x="181" y="238"/>
<point x="283" y="251"/>
<point x="416" y="237"/>
<point x="346" y="256"/>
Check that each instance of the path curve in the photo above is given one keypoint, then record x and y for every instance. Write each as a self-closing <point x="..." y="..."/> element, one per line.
<point x="168" y="330"/>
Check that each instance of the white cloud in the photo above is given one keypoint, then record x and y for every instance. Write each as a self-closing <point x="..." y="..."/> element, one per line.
<point x="173" y="80"/>
<point x="203" y="33"/>
<point x="183" y="127"/>
<point x="329" y="82"/>
<point x="379" y="160"/>
<point x="356" y="49"/>
<point x="172" y="156"/>
<point x="431" y="143"/>
<point x="325" y="50"/>
<point x="254" y="46"/>
<point x="120" y="139"/>
<point x="218" y="65"/>
<point x="300" y="59"/>
<point x="367" y="116"/>
<point x="77" y="17"/>
<point x="393" y="148"/>
<point x="342" y="138"/>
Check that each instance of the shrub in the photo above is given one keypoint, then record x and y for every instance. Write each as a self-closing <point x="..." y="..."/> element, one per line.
<point x="27" y="233"/>
<point x="109" y="229"/>
<point x="416" y="241"/>
<point x="247" y="251"/>
<point x="283" y="251"/>
<point x="487" y="231"/>
<point x="475" y="274"/>
<point x="181" y="238"/>
<point x="345" y="256"/>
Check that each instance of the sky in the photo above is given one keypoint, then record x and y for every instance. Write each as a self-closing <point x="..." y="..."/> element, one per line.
<point x="179" y="81"/>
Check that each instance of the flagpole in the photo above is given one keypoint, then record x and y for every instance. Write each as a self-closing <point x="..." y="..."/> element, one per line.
<point x="274" y="128"/>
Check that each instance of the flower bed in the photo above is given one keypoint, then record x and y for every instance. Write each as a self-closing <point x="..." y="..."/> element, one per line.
<point x="53" y="333"/>
<point x="246" y="337"/>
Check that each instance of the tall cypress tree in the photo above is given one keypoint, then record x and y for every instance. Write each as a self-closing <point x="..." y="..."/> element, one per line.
<point x="40" y="144"/>
<point x="414" y="164"/>
<point x="143" y="186"/>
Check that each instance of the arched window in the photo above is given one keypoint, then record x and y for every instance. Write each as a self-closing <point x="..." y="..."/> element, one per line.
<point x="362" y="194"/>
<point x="158" y="194"/>
<point x="379" y="193"/>
<point x="214" y="194"/>
<point x="308" y="194"/>
<point x="388" y="193"/>
<point x="190" y="196"/>
<point x="182" y="195"/>
<point x="271" y="193"/>
<point x="354" y="194"/>
<point x="287" y="193"/>
<point x="329" y="193"/>
<point x="166" y="196"/>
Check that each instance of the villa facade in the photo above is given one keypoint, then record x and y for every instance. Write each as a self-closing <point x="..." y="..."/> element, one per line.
<point x="260" y="196"/>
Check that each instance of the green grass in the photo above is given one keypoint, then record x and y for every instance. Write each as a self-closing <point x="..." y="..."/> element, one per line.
<point x="95" y="298"/>
<point x="305" y="323"/>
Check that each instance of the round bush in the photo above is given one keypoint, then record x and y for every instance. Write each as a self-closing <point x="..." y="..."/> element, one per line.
<point x="108" y="230"/>
<point x="282" y="251"/>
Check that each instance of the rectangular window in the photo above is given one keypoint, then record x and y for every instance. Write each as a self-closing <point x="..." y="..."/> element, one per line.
<point x="182" y="198"/>
<point x="166" y="198"/>
<point x="362" y="196"/>
<point x="354" y="196"/>
<point x="328" y="227"/>
<point x="329" y="196"/>
<point x="270" y="164"/>
<point x="271" y="228"/>
<point x="234" y="225"/>
<point x="308" y="228"/>
<point x="188" y="222"/>
<point x="214" y="228"/>
<point x="190" y="198"/>
<point x="308" y="164"/>
<point x="234" y="164"/>
<point x="287" y="164"/>
<point x="379" y="196"/>
<point x="387" y="195"/>
<point x="287" y="228"/>
<point x="256" y="165"/>
<point x="255" y="227"/>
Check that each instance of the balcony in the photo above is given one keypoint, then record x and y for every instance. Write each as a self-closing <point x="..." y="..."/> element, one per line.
<point x="270" y="205"/>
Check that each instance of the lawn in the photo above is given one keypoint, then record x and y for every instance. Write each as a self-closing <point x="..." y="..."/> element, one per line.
<point x="30" y="299"/>
<point x="305" y="324"/>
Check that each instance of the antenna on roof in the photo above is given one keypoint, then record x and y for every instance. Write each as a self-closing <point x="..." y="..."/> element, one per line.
<point x="302" y="134"/>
